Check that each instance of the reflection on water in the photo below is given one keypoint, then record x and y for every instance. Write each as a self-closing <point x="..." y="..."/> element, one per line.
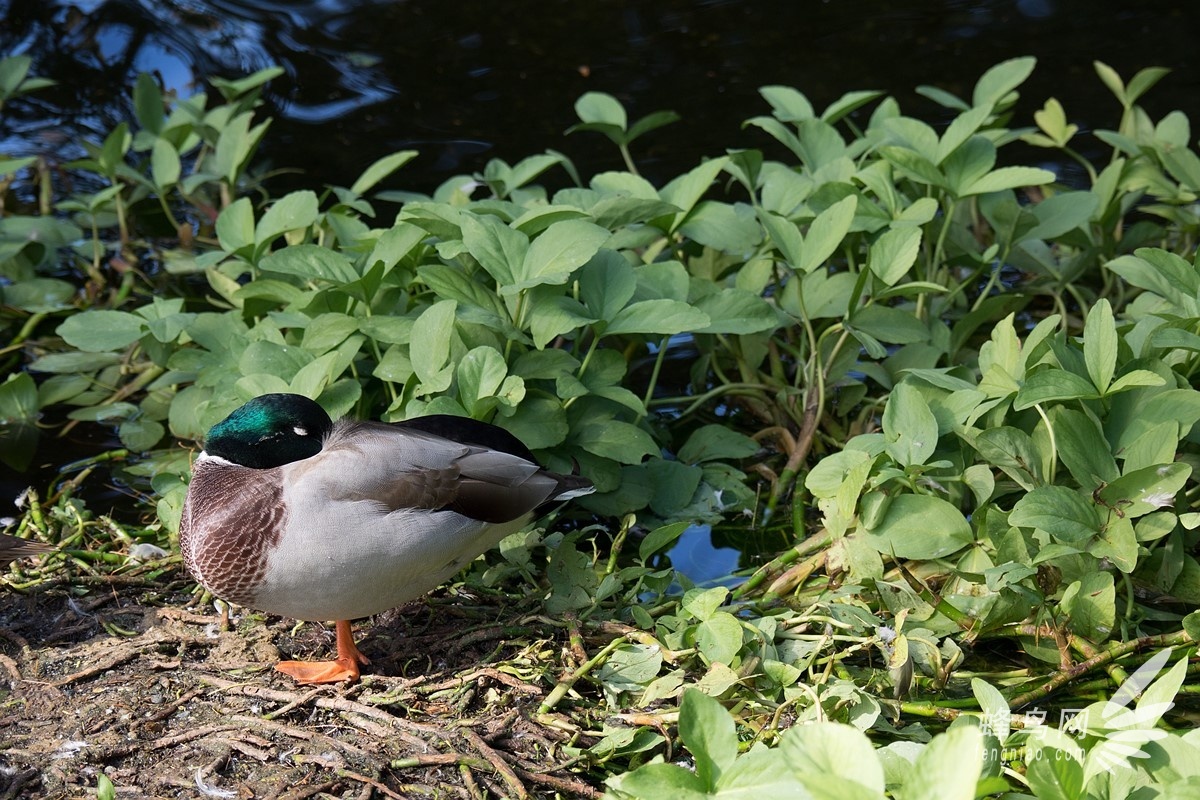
<point x="471" y="80"/>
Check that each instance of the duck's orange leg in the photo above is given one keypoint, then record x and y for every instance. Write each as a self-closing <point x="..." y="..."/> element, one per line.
<point x="345" y="668"/>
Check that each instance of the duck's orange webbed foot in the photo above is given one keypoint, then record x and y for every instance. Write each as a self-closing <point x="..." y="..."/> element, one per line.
<point x="344" y="668"/>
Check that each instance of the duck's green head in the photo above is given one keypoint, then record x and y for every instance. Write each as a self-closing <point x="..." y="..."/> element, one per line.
<point x="270" y="431"/>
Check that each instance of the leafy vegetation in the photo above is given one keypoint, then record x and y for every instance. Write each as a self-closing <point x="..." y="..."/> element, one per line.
<point x="963" y="395"/>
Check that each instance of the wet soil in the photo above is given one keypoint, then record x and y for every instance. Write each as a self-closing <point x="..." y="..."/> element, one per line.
<point x="127" y="677"/>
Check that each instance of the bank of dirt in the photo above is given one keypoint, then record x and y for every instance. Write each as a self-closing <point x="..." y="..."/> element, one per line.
<point x="127" y="677"/>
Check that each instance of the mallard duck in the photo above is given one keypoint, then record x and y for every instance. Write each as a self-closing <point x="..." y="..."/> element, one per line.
<point x="291" y="513"/>
<point x="12" y="547"/>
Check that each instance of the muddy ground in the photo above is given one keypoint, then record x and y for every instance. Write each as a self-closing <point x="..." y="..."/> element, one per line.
<point x="134" y="681"/>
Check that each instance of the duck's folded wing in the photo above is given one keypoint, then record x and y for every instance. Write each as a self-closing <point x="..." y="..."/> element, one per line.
<point x="408" y="469"/>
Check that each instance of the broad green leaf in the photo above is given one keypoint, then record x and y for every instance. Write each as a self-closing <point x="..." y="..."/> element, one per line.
<point x="831" y="749"/>
<point x="290" y="212"/>
<point x="961" y="128"/>
<point x="909" y="426"/>
<point x="1053" y="384"/>
<point x="735" y="311"/>
<point x="787" y="103"/>
<point x="74" y="362"/>
<point x="620" y="441"/>
<point x="557" y="316"/>
<point x="430" y="348"/>
<point x="600" y="107"/>
<point x="327" y="331"/>
<point x="606" y="284"/>
<point x="949" y="766"/>
<point x="657" y="780"/>
<point x="539" y="422"/>
<point x="1083" y="448"/>
<point x="148" y="104"/>
<point x="663" y="317"/>
<point x="311" y="262"/>
<point x="164" y="164"/>
<point x="96" y="331"/>
<point x="730" y="228"/>
<point x="1146" y="490"/>
<point x="1100" y="345"/>
<point x="921" y="527"/>
<point x="661" y="539"/>
<point x="707" y="731"/>
<point x="556" y="253"/>
<point x="1009" y="178"/>
<point x="1062" y="213"/>
<point x="498" y="248"/>
<point x="18" y="417"/>
<point x="894" y="253"/>
<point x="1091" y="606"/>
<point x="914" y="165"/>
<point x="1059" y="511"/>
<point x="719" y="638"/>
<point x="235" y="225"/>
<point x="140" y="434"/>
<point x="686" y="190"/>
<point x="995" y="84"/>
<point x="380" y="169"/>
<point x="1054" y="774"/>
<point x="716" y="442"/>
<point x="826" y="233"/>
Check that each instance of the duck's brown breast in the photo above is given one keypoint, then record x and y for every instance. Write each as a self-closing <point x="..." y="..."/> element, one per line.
<point x="232" y="517"/>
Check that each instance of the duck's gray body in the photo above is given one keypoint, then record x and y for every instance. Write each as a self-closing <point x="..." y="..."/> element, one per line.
<point x="379" y="516"/>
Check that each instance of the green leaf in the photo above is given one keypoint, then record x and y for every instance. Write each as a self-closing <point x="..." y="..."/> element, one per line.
<point x="734" y="310"/>
<point x="910" y="428"/>
<point x="659" y="781"/>
<point x="719" y="638"/>
<point x="716" y="442"/>
<point x="560" y="250"/>
<point x="18" y="420"/>
<point x="164" y="164"/>
<point x="291" y="212"/>
<point x="1146" y="490"/>
<point x="661" y="539"/>
<point x="949" y="766"/>
<point x="894" y="253"/>
<point x="1053" y="384"/>
<point x="826" y="233"/>
<point x="662" y="316"/>
<point x="1061" y="512"/>
<point x="1100" y="345"/>
<point x="311" y="262"/>
<point x="539" y="422"/>
<point x="235" y="225"/>
<point x="380" y="169"/>
<point x="1009" y="178"/>
<point x="1054" y="774"/>
<point x="961" y="128"/>
<point x="997" y="82"/>
<point x="686" y="190"/>
<point x="557" y="316"/>
<point x="708" y="733"/>
<point x="1091" y="606"/>
<point x="620" y="441"/>
<point x="430" y="348"/>
<point x="99" y="331"/>
<point x="498" y="248"/>
<point x="1083" y="448"/>
<point x="834" y="750"/>
<point x="602" y="108"/>
<point x="921" y="527"/>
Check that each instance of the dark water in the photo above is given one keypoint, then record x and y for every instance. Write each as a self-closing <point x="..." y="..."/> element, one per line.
<point x="466" y="81"/>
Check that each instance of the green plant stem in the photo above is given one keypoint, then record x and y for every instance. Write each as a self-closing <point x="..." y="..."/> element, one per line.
<point x="817" y="541"/>
<point x="1110" y="653"/>
<point x="653" y="382"/>
<point x="568" y="681"/>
